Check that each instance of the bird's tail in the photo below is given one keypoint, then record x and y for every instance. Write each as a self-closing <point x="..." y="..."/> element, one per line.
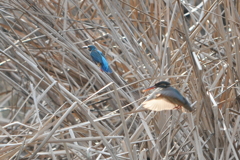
<point x="187" y="107"/>
<point x="105" y="67"/>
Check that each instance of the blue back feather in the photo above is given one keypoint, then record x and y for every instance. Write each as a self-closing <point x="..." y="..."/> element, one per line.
<point x="104" y="66"/>
<point x="96" y="56"/>
<point x="172" y="92"/>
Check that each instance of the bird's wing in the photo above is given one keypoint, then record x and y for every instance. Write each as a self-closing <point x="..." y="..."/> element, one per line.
<point x="101" y="53"/>
<point x="104" y="66"/>
<point x="173" y="94"/>
<point x="96" y="56"/>
<point x="158" y="105"/>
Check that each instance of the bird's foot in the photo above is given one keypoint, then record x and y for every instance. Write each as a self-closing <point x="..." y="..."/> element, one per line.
<point x="177" y="107"/>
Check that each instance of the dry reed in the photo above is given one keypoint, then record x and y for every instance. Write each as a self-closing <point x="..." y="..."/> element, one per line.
<point x="57" y="104"/>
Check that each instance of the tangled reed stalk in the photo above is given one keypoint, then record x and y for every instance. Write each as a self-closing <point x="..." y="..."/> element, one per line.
<point x="57" y="104"/>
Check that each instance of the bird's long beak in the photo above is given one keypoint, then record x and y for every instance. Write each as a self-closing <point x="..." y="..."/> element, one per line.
<point x="84" y="47"/>
<point x="148" y="89"/>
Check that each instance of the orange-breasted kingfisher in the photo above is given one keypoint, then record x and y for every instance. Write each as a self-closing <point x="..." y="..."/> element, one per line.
<point x="168" y="98"/>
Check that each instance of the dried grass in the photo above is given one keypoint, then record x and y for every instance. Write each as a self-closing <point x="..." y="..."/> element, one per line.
<point x="57" y="104"/>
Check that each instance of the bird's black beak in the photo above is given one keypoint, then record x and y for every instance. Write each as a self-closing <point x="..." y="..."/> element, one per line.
<point x="148" y="89"/>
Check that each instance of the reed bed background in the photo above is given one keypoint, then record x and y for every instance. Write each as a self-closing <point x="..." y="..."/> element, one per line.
<point x="57" y="104"/>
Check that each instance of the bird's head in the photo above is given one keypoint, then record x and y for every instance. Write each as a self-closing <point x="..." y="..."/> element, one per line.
<point x="162" y="84"/>
<point x="91" y="47"/>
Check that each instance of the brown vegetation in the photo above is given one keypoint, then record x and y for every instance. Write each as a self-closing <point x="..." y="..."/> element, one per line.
<point x="57" y="104"/>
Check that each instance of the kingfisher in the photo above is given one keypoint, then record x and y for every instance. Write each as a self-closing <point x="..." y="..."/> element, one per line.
<point x="168" y="98"/>
<point x="99" y="59"/>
